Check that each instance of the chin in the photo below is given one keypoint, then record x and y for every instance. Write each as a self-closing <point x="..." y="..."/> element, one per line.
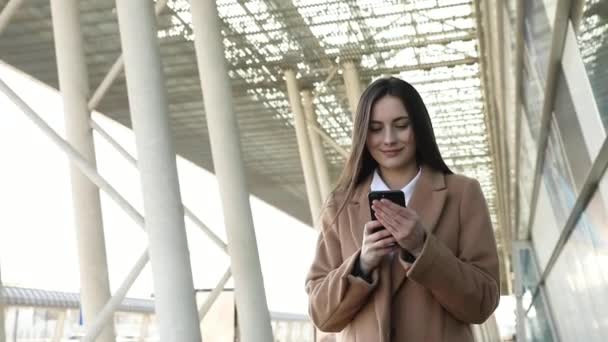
<point x="393" y="164"/>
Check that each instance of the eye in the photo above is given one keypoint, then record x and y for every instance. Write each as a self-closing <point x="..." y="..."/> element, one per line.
<point x="375" y="129"/>
<point x="403" y="125"/>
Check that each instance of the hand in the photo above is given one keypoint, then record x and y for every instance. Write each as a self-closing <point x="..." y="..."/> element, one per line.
<point x="377" y="243"/>
<point x="403" y="223"/>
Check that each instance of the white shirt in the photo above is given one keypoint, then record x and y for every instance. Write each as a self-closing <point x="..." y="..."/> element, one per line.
<point x="379" y="185"/>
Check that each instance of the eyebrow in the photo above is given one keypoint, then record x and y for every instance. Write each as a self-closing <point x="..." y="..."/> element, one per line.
<point x="396" y="119"/>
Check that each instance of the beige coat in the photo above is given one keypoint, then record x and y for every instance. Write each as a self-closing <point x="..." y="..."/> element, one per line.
<point x="453" y="283"/>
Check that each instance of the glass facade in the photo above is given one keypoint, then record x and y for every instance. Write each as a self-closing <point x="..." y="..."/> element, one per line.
<point x="537" y="36"/>
<point x="562" y="268"/>
<point x="593" y="44"/>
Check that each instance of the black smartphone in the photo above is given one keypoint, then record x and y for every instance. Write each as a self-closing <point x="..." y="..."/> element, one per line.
<point x="396" y="196"/>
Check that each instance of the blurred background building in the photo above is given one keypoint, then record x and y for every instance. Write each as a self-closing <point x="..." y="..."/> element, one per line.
<point x="258" y="96"/>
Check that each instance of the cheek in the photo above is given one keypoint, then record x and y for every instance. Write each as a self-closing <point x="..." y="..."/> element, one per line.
<point x="406" y="136"/>
<point x="372" y="141"/>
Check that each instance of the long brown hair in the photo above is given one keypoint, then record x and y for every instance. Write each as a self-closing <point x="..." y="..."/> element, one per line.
<point x="360" y="163"/>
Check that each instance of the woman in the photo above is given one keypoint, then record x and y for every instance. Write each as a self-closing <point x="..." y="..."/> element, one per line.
<point x="433" y="269"/>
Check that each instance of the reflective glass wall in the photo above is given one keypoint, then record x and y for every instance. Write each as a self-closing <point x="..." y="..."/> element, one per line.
<point x="560" y="258"/>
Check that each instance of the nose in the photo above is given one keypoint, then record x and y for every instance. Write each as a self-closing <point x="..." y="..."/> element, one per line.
<point x="389" y="136"/>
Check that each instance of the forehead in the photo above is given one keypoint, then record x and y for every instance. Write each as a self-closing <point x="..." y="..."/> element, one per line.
<point x="388" y="108"/>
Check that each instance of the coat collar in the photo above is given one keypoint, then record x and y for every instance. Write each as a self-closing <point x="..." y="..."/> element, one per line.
<point x="427" y="200"/>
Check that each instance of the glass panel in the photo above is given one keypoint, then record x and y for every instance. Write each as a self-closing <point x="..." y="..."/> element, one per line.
<point x="537" y="35"/>
<point x="574" y="147"/>
<point x="593" y="43"/>
<point x="578" y="284"/>
<point x="529" y="275"/>
<point x="533" y="98"/>
<point x="538" y="326"/>
<point x="526" y="175"/>
<point x="557" y="195"/>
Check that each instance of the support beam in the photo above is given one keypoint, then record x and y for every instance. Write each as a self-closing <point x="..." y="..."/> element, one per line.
<point x="329" y="140"/>
<point x="171" y="270"/>
<point x="7" y="13"/>
<point x="107" y="313"/>
<point x="74" y="87"/>
<point x="306" y="157"/>
<point x="254" y="317"/>
<point x="187" y="212"/>
<point x="353" y="85"/>
<point x="212" y="297"/>
<point x="75" y="157"/>
<point x="116" y="69"/>
<point x="318" y="153"/>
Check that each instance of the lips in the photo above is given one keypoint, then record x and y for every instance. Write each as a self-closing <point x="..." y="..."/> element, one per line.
<point x="391" y="153"/>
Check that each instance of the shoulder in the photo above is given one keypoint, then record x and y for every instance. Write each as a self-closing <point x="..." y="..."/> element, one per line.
<point x="465" y="188"/>
<point x="459" y="183"/>
<point x="335" y="199"/>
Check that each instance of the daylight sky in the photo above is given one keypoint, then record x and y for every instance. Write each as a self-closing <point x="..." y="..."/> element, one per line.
<point x="37" y="236"/>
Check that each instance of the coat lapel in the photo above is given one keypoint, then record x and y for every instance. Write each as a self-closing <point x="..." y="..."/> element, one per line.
<point x="359" y="215"/>
<point x="358" y="211"/>
<point x="427" y="200"/>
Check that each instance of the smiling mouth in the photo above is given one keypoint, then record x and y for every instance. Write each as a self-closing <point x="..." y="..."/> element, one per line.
<point x="392" y="152"/>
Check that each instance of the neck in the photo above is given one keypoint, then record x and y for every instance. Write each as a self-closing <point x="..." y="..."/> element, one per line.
<point x="397" y="179"/>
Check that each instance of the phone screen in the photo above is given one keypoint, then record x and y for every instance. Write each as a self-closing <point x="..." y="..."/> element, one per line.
<point x="396" y="196"/>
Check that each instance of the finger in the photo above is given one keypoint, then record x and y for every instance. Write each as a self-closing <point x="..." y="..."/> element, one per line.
<point x="389" y="223"/>
<point x="380" y="234"/>
<point x="391" y="208"/>
<point x="370" y="239"/>
<point x="371" y="226"/>
<point x="382" y="251"/>
<point x="386" y="242"/>
<point x="392" y="220"/>
<point x="383" y="212"/>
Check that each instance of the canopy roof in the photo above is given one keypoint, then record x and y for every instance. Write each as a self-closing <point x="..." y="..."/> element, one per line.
<point x="432" y="44"/>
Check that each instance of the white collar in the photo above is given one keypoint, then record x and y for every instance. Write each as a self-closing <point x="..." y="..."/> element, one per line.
<point x="379" y="185"/>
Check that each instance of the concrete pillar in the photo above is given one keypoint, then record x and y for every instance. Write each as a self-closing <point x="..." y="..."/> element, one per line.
<point x="16" y="325"/>
<point x="164" y="214"/>
<point x="352" y="82"/>
<point x="143" y="331"/>
<point x="308" y="166"/>
<point x="316" y="145"/>
<point x="7" y="13"/>
<point x="59" y="326"/>
<point x="2" y="308"/>
<point x="74" y="87"/>
<point x="253" y="314"/>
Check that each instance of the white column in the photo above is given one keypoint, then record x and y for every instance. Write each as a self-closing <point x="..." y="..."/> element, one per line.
<point x="308" y="167"/>
<point x="254" y="318"/>
<point x="2" y="308"/>
<point x="143" y="331"/>
<point x="7" y="13"/>
<point x="168" y="249"/>
<point x="316" y="145"/>
<point x="58" y="333"/>
<point x="74" y="86"/>
<point x="352" y="84"/>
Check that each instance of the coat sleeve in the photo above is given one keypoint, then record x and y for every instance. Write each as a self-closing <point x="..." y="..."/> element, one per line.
<point x="467" y="284"/>
<point x="335" y="294"/>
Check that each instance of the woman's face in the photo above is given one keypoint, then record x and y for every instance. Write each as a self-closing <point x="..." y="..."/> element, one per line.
<point x="390" y="136"/>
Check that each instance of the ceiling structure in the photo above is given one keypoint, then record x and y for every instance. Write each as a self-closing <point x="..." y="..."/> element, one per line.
<point x="430" y="43"/>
